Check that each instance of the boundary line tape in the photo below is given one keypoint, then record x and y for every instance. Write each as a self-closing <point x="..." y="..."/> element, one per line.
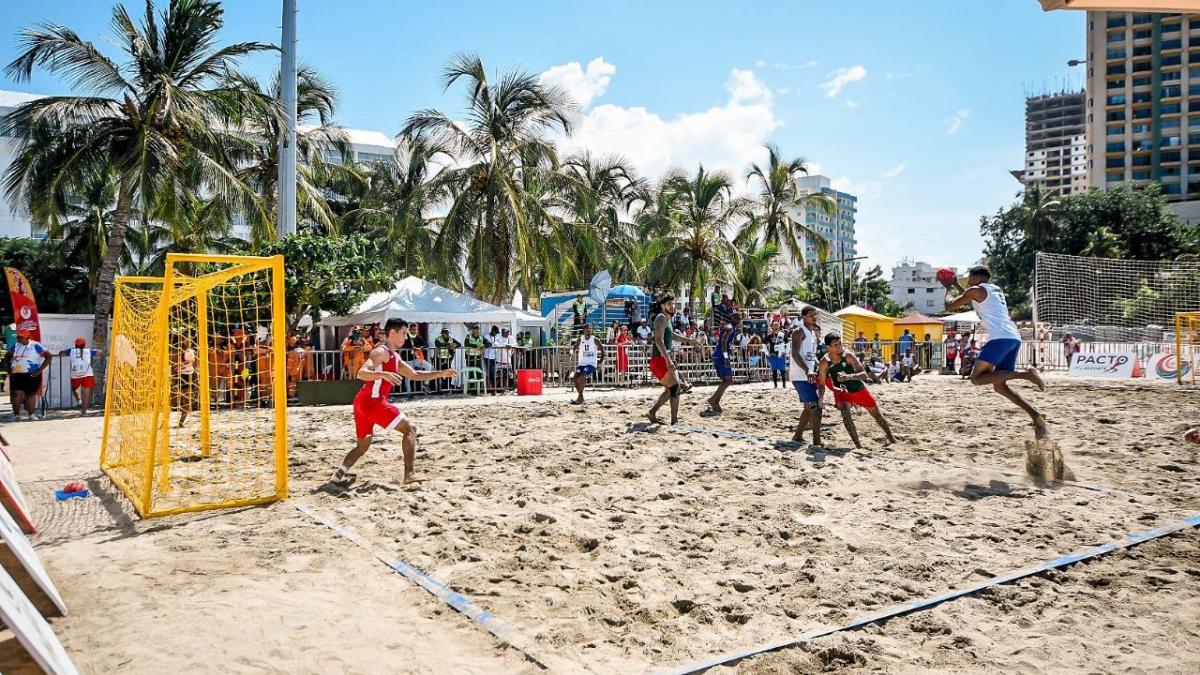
<point x="460" y="603"/>
<point x="903" y="460"/>
<point x="1127" y="541"/>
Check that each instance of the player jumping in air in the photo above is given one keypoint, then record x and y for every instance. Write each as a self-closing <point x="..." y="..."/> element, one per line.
<point x="997" y="361"/>
<point x="590" y="355"/>
<point x="382" y="370"/>
<point x="720" y="358"/>
<point x="803" y="373"/>
<point x="842" y="372"/>
<point x="662" y="365"/>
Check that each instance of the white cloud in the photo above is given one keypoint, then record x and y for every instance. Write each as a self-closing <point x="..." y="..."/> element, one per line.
<point x="899" y="76"/>
<point x="724" y="137"/>
<point x="839" y="78"/>
<point x="779" y="65"/>
<point x="782" y="91"/>
<point x="956" y="121"/>
<point x="868" y="189"/>
<point x="583" y="86"/>
<point x="759" y="63"/>
<point x="851" y="104"/>
<point x="895" y="171"/>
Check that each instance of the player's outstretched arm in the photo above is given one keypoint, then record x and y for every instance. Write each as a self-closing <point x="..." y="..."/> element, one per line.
<point x="957" y="298"/>
<point x="404" y="370"/>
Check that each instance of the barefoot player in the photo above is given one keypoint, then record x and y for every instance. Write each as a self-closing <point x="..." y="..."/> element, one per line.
<point x="997" y="361"/>
<point x="803" y="373"/>
<point x="720" y="358"/>
<point x="587" y="347"/>
<point x="382" y="370"/>
<point x="662" y="365"/>
<point x="842" y="372"/>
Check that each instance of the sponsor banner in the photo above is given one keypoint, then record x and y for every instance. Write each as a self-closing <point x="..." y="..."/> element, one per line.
<point x="1114" y="364"/>
<point x="23" y="304"/>
<point x="1165" y="366"/>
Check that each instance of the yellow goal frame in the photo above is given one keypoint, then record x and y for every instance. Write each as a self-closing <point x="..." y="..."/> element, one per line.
<point x="1186" y="323"/>
<point x="177" y="287"/>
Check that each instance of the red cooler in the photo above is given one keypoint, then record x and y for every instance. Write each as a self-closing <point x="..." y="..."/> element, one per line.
<point x="529" y="382"/>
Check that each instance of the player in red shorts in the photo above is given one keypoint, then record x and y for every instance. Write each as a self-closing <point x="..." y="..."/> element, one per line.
<point x="844" y="375"/>
<point x="382" y="370"/>
<point x="662" y="365"/>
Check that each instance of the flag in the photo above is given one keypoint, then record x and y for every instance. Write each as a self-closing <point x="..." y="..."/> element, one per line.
<point x="23" y="304"/>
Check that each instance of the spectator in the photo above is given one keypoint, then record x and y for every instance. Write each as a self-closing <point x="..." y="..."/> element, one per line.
<point x="418" y="358"/>
<point x="624" y="339"/>
<point x="905" y="342"/>
<point x="610" y="334"/>
<point x="489" y="355"/>
<point x="580" y="309"/>
<point x="83" y="379"/>
<point x="778" y="345"/>
<point x="474" y="345"/>
<point x="968" y="357"/>
<point x="877" y="346"/>
<point x="860" y="345"/>
<point x="266" y="376"/>
<point x="444" y="347"/>
<point x="754" y="355"/>
<point x="643" y="332"/>
<point x="29" y="360"/>
<point x="951" y="345"/>
<point x="895" y="370"/>
<point x="1070" y="347"/>
<point x="927" y="352"/>
<point x="909" y="366"/>
<point x="503" y="345"/>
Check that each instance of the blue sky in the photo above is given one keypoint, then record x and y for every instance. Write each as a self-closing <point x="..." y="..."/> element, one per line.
<point x="916" y="107"/>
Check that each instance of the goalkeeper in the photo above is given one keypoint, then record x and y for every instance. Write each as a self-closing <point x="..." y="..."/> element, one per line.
<point x="997" y="361"/>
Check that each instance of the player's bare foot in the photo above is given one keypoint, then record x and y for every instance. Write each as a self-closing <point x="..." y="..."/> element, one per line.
<point x="655" y="419"/>
<point x="414" y="478"/>
<point x="1036" y="378"/>
<point x="578" y="401"/>
<point x="1040" y="428"/>
<point x="1192" y="436"/>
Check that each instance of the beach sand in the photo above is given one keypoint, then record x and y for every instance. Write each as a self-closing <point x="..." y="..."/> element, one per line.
<point x="614" y="546"/>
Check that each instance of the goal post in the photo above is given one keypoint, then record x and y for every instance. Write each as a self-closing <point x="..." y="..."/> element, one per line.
<point x="196" y="411"/>
<point x="1187" y="345"/>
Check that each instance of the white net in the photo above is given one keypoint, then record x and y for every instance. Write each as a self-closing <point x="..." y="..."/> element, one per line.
<point x="1114" y="300"/>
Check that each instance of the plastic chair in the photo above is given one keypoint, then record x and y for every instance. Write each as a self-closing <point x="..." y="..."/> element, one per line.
<point x="473" y="377"/>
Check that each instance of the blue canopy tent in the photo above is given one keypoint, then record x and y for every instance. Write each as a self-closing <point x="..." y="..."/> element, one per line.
<point x="558" y="307"/>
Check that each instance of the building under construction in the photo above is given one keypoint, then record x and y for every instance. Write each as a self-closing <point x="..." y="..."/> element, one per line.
<point x="1056" y="151"/>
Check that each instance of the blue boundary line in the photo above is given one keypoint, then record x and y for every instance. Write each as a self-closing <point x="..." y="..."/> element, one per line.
<point x="888" y="458"/>
<point x="904" y="608"/>
<point x="460" y="603"/>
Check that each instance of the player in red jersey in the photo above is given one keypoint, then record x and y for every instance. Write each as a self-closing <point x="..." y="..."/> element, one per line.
<point x="382" y="370"/>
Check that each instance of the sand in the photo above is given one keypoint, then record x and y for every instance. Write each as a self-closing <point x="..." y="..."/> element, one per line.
<point x="612" y="546"/>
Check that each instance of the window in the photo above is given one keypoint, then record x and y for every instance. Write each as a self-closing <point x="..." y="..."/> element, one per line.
<point x="1170" y="60"/>
<point x="1115" y="116"/>
<point x="1172" y="44"/>
<point x="929" y="303"/>
<point x="1141" y="82"/>
<point x="1141" y="175"/>
<point x="1116" y="100"/>
<point x="1171" y="92"/>
<point x="912" y="291"/>
<point x="1118" y="53"/>
<point x="1115" y="147"/>
<point x="1116" y="130"/>
<point x="1169" y="141"/>
<point x="1116" y="69"/>
<point x="1141" y="128"/>
<point x="1114" y="177"/>
<point x="1141" y="51"/>
<point x="1172" y="188"/>
<point x="1172" y="76"/>
<point x="1144" y="160"/>
<point x="1144" y="145"/>
<point x="1142" y="113"/>
<point x="1193" y="139"/>
<point x="1170" y="171"/>
<point x="1116" y="84"/>
<point x="1170" y="156"/>
<point x="1116" y="21"/>
<point x="1141" y="18"/>
<point x="1142" y="34"/>
<point x="1116" y="37"/>
<point x="1115" y="163"/>
<point x="1172" y="123"/>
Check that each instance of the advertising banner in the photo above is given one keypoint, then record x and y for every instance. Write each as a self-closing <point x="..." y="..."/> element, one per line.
<point x="23" y="304"/>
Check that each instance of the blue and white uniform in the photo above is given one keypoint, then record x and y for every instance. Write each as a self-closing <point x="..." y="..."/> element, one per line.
<point x="808" y="351"/>
<point x="589" y="355"/>
<point x="720" y="355"/>
<point x="1004" y="339"/>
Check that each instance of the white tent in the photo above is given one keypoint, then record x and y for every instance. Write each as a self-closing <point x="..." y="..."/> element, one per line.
<point x="962" y="317"/>
<point x="528" y="318"/>
<point x="420" y="301"/>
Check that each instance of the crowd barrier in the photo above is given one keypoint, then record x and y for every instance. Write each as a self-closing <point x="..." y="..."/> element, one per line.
<point x="625" y="366"/>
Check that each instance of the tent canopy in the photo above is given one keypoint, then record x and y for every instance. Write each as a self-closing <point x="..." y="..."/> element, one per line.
<point x="1124" y="5"/>
<point x="856" y="311"/>
<point x="421" y="301"/>
<point x="961" y="317"/>
<point x="918" y="319"/>
<point x="626" y="291"/>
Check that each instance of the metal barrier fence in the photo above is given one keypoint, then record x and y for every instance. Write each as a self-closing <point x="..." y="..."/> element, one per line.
<point x="624" y="366"/>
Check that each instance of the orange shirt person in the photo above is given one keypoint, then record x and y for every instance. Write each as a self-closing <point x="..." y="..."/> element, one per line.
<point x="266" y="376"/>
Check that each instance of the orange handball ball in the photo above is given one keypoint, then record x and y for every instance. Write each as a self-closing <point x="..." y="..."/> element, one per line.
<point x="946" y="274"/>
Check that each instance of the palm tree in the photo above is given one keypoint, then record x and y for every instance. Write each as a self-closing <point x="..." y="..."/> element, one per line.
<point x="782" y="205"/>
<point x="323" y="150"/>
<point x="80" y="226"/>
<point x="1039" y="212"/>
<point x="191" y="224"/>
<point x="597" y="195"/>
<point x="697" y="246"/>
<point x="501" y="145"/>
<point x="393" y="204"/>
<point x="1102" y="242"/>
<point x="755" y="273"/>
<point x="168" y="103"/>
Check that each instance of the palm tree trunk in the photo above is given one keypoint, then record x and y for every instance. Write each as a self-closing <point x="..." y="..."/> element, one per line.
<point x="105" y="287"/>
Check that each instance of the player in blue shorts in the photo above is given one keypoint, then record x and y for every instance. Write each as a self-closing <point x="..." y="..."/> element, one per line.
<point x="720" y="357"/>
<point x="997" y="361"/>
<point x="590" y="354"/>
<point x="803" y="372"/>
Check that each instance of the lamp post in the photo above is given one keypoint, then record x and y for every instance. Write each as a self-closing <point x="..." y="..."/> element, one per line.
<point x="286" y="223"/>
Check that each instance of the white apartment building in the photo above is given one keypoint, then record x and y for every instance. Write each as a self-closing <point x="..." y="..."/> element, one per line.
<point x="1056" y="147"/>
<point x="369" y="146"/>
<point x="838" y="227"/>
<point x="914" y="285"/>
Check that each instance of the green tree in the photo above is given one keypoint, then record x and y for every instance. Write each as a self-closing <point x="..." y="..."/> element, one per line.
<point x="1039" y="212"/>
<point x="597" y="192"/>
<point x="697" y="249"/>
<point x="781" y="205"/>
<point x="755" y="273"/>
<point x="79" y="227"/>
<point x="328" y="273"/>
<point x="493" y="223"/>
<point x="169" y="102"/>
<point x="60" y="284"/>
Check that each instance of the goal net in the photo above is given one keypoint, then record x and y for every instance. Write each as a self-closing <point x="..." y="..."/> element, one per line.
<point x="1114" y="300"/>
<point x="1187" y="346"/>
<point x="195" y="414"/>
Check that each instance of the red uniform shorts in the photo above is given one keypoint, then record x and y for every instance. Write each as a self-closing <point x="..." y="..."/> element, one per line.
<point x="658" y="366"/>
<point x="372" y="412"/>
<point x="861" y="398"/>
<point x="88" y="381"/>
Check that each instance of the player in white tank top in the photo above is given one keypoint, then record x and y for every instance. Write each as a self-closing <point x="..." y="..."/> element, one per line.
<point x="587" y="346"/>
<point x="803" y="373"/>
<point x="995" y="364"/>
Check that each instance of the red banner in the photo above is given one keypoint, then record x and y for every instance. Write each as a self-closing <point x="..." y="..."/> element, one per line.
<point x="23" y="304"/>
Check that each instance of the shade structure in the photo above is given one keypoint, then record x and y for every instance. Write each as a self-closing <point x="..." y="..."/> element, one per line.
<point x="420" y="301"/>
<point x="867" y="322"/>
<point x="918" y="324"/>
<point x="961" y="317"/>
<point x="1124" y="5"/>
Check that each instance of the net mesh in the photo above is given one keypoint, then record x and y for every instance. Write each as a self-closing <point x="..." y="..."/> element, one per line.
<point x="1187" y="346"/>
<point x="195" y="416"/>
<point x="1114" y="300"/>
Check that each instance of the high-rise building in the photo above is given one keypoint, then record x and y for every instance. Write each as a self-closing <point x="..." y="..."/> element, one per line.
<point x="1056" y="143"/>
<point x="914" y="285"/>
<point x="838" y="228"/>
<point x="1144" y="103"/>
